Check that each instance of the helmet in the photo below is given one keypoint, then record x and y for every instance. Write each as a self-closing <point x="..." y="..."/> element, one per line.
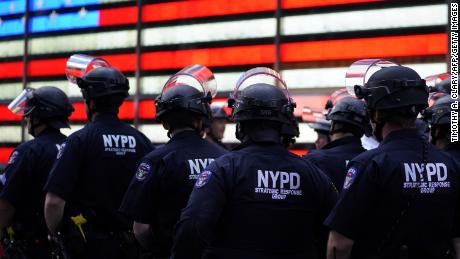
<point x="394" y="87"/>
<point x="335" y="97"/>
<point x="439" y="113"/>
<point x="218" y="111"/>
<point x="103" y="81"/>
<point x="264" y="100"/>
<point x="261" y="101"/>
<point x="48" y="103"/>
<point x="321" y="125"/>
<point x="351" y="111"/>
<point x="181" y="94"/>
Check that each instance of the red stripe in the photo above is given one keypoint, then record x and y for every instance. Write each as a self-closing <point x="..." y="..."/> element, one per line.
<point x="47" y="67"/>
<point x="5" y="153"/>
<point x="117" y="16"/>
<point x="229" y="56"/>
<point x="289" y="4"/>
<point x="299" y="152"/>
<point x="394" y="46"/>
<point x="11" y="69"/>
<point x="203" y="8"/>
<point x="7" y="115"/>
<point x="146" y="111"/>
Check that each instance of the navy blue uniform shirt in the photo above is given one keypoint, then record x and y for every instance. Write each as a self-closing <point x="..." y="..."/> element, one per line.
<point x="260" y="201"/>
<point x="26" y="174"/>
<point x="95" y="167"/>
<point x="333" y="158"/>
<point x="389" y="200"/>
<point x="163" y="182"/>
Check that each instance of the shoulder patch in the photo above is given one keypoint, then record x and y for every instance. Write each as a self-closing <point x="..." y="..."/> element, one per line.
<point x="351" y="173"/>
<point x="203" y="179"/>
<point x="13" y="157"/>
<point x="142" y="171"/>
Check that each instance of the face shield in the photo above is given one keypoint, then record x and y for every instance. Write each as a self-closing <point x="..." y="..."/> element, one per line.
<point x="260" y="75"/>
<point x="360" y="71"/>
<point x="78" y="65"/>
<point x="19" y="104"/>
<point x="197" y="76"/>
<point x="433" y="82"/>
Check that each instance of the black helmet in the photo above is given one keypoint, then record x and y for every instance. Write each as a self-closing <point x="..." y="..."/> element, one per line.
<point x="103" y="81"/>
<point x="48" y="103"/>
<point x="320" y="125"/>
<point x="335" y="97"/>
<point x="351" y="111"/>
<point x="218" y="111"/>
<point x="264" y="101"/>
<point x="394" y="87"/>
<point x="188" y="95"/>
<point x="439" y="113"/>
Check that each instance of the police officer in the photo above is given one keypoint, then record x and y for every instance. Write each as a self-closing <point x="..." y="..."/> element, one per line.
<point x="165" y="177"/>
<point x="258" y="201"/>
<point x="215" y="131"/>
<point x="93" y="170"/>
<point x="321" y="126"/>
<point x="348" y="122"/>
<point x="45" y="111"/>
<point x="393" y="194"/>
<point x="440" y="120"/>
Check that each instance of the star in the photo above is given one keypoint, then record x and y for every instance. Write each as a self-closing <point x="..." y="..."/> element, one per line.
<point x="12" y="7"/>
<point x="82" y="12"/>
<point x="39" y="4"/>
<point x="53" y="15"/>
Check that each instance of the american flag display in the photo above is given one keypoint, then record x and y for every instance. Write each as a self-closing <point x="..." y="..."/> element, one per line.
<point x="311" y="43"/>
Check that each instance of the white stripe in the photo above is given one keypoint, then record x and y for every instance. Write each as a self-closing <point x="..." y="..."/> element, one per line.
<point x="83" y="42"/>
<point x="335" y="77"/>
<point x="157" y="134"/>
<point x="11" y="48"/>
<point x="72" y="90"/>
<point x="10" y="91"/>
<point x="249" y="29"/>
<point x="428" y="15"/>
<point x="10" y="134"/>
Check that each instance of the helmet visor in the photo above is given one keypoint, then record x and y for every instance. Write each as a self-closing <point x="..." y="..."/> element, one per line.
<point x="360" y="71"/>
<point x="196" y="76"/>
<point x="18" y="105"/>
<point x="78" y="65"/>
<point x="433" y="80"/>
<point x="260" y="75"/>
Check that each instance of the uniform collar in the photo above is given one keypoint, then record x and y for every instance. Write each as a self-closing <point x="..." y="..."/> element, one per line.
<point x="410" y="133"/>
<point x="185" y="134"/>
<point x="105" y="116"/>
<point x="48" y="131"/>
<point x="342" y="141"/>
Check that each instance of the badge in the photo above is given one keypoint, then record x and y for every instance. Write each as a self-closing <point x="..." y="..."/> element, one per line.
<point x="349" y="177"/>
<point x="203" y="179"/>
<point x="142" y="171"/>
<point x="13" y="157"/>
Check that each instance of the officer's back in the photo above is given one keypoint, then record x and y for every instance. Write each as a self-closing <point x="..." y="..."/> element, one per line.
<point x="348" y="122"/>
<point x="393" y="193"/>
<point x="276" y="204"/>
<point x="104" y="155"/>
<point x="258" y="201"/>
<point x="165" y="177"/>
<point x="93" y="171"/>
<point x="46" y="110"/>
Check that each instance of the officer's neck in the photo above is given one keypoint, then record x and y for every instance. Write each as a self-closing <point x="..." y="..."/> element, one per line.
<point x="178" y="131"/>
<point x="38" y="130"/>
<point x="390" y="127"/>
<point x="340" y="135"/>
<point x="442" y="143"/>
